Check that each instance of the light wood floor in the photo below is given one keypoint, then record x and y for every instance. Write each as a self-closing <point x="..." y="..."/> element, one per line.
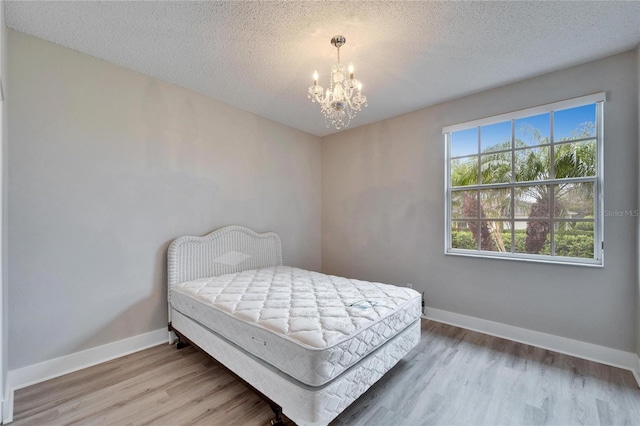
<point x="454" y="377"/>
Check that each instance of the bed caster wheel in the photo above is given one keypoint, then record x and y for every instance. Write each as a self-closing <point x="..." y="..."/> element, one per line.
<point x="180" y="344"/>
<point x="277" y="410"/>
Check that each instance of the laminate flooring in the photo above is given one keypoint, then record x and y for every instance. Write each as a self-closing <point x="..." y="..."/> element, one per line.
<point x="453" y="377"/>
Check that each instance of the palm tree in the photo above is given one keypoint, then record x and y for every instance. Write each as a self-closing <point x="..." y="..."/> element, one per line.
<point x="465" y="173"/>
<point x="570" y="160"/>
<point x="495" y="167"/>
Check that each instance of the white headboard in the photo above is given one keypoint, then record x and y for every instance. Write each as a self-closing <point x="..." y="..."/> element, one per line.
<point x="224" y="251"/>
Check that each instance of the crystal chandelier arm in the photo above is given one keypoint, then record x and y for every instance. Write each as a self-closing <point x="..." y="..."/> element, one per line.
<point x="354" y="104"/>
<point x="315" y="92"/>
<point x="348" y="100"/>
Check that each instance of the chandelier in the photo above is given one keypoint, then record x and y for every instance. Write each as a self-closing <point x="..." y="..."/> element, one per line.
<point x="343" y="99"/>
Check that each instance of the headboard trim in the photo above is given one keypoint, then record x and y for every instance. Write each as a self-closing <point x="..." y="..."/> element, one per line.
<point x="226" y="250"/>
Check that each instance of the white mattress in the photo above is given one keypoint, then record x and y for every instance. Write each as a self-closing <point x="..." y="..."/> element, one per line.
<point x="309" y="325"/>
<point x="305" y="405"/>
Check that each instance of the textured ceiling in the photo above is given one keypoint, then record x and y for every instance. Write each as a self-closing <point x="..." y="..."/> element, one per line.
<point x="260" y="56"/>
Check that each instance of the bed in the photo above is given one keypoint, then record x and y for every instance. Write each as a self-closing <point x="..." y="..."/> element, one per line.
<point x="310" y="343"/>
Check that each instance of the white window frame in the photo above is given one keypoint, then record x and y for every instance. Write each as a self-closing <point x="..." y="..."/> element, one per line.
<point x="598" y="261"/>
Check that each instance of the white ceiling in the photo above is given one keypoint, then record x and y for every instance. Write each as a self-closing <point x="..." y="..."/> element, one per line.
<point x="260" y="56"/>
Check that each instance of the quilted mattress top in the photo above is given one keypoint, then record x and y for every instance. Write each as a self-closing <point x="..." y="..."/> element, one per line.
<point x="314" y="310"/>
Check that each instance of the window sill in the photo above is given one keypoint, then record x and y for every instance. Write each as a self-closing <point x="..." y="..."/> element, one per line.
<point x="558" y="260"/>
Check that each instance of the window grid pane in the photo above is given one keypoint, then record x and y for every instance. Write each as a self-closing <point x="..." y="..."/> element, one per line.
<point x="518" y="215"/>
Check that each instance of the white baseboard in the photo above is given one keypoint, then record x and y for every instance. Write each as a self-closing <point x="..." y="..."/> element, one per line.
<point x="36" y="373"/>
<point x="7" y="407"/>
<point x="584" y="350"/>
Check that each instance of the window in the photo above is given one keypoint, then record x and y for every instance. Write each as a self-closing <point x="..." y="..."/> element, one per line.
<point x="528" y="185"/>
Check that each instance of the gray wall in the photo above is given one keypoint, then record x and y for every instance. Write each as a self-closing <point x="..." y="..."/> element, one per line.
<point x="4" y="305"/>
<point x="106" y="167"/>
<point x="383" y="213"/>
<point x="638" y="259"/>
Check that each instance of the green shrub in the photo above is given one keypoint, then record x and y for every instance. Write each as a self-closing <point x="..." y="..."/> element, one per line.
<point x="520" y="236"/>
<point x="574" y="243"/>
<point x="463" y="240"/>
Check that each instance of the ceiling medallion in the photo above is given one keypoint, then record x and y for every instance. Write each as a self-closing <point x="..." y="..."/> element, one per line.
<point x="343" y="99"/>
